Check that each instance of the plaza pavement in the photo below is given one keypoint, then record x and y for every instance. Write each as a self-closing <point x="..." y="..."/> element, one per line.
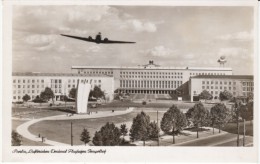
<point x="23" y="128"/>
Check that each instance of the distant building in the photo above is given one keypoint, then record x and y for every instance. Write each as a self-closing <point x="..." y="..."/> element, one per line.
<point x="238" y="85"/>
<point x="151" y="78"/>
<point x="61" y="83"/>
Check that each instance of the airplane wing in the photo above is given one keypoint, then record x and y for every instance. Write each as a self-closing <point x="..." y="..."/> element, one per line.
<point x="80" y="38"/>
<point x="105" y="41"/>
<point x="114" y="41"/>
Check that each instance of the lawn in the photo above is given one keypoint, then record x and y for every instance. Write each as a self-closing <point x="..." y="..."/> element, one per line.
<point x="232" y="128"/>
<point x="25" y="141"/>
<point x="59" y="130"/>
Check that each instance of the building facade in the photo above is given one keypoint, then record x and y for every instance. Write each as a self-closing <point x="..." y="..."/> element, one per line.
<point x="237" y="85"/>
<point x="150" y="78"/>
<point x="60" y="83"/>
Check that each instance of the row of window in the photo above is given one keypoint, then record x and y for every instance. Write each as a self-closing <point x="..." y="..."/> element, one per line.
<point x="248" y="89"/>
<point x="218" y="87"/>
<point x="206" y="73"/>
<point x="55" y="80"/>
<point x="248" y="84"/>
<point x="28" y="86"/>
<point x="216" y="93"/>
<point x="132" y="76"/>
<point x="219" y="82"/>
<point x="28" y="80"/>
<point x="149" y="84"/>
<point x="86" y="80"/>
<point x="97" y="72"/>
<point x="152" y="73"/>
<point x="26" y="91"/>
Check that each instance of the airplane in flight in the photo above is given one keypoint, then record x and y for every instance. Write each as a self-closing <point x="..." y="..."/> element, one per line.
<point x="98" y="39"/>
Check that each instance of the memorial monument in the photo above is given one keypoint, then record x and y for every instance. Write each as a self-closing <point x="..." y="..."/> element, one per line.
<point x="83" y="89"/>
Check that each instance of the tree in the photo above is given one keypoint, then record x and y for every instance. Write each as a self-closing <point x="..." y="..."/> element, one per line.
<point x="154" y="130"/>
<point x="205" y="95"/>
<point x="173" y="120"/>
<point x="85" y="137"/>
<point x="97" y="139"/>
<point x="16" y="139"/>
<point x="246" y="111"/>
<point x="97" y="92"/>
<point x="250" y="97"/>
<point x="47" y="94"/>
<point x="140" y="128"/>
<point x="219" y="115"/>
<point x="26" y="98"/>
<point x="109" y="135"/>
<point x="225" y="95"/>
<point x="198" y="115"/>
<point x="123" y="131"/>
<point x="72" y="93"/>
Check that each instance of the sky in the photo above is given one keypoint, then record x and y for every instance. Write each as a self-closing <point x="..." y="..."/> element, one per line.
<point x="176" y="36"/>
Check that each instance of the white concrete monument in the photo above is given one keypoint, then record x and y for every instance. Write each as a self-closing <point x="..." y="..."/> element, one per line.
<point x="83" y="89"/>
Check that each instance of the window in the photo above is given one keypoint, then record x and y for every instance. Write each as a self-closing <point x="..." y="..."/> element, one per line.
<point x="203" y="82"/>
<point x="14" y="81"/>
<point x="234" y="88"/>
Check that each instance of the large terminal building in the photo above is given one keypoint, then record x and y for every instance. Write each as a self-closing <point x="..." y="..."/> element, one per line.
<point x="146" y="79"/>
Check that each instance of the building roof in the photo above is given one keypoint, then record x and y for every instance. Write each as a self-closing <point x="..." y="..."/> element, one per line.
<point x="58" y="74"/>
<point x="147" y="67"/>
<point x="223" y="77"/>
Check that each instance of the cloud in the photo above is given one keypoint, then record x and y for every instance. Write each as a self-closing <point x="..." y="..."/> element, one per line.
<point x="39" y="40"/>
<point x="93" y="49"/>
<point x="139" y="26"/>
<point x="158" y="51"/>
<point x="189" y="56"/>
<point x="95" y="13"/>
<point x="234" y="52"/>
<point x="241" y="36"/>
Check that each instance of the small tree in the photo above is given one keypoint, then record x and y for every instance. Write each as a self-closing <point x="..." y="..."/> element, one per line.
<point x="140" y="128"/>
<point x="225" y="95"/>
<point x="154" y="130"/>
<point x="246" y="111"/>
<point x="173" y="120"/>
<point x="198" y="115"/>
<point x="85" y="137"/>
<point x="97" y="92"/>
<point x="26" y="98"/>
<point x="219" y="115"/>
<point x="123" y="131"/>
<point x="205" y="95"/>
<point x="47" y="94"/>
<point x="97" y="139"/>
<point x="72" y="93"/>
<point x="16" y="139"/>
<point x="109" y="135"/>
